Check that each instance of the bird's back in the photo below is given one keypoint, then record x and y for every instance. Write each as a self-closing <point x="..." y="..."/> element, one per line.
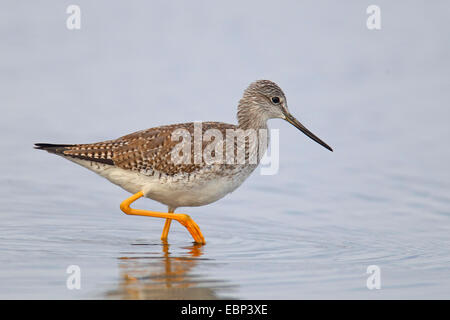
<point x="143" y="151"/>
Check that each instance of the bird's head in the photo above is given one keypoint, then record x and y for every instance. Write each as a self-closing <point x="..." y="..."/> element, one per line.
<point x="264" y="100"/>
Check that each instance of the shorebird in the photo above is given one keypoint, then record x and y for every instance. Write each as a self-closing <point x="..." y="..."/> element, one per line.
<point x="142" y="162"/>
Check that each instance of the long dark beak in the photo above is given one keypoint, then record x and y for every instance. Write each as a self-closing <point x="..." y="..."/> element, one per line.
<point x="291" y="119"/>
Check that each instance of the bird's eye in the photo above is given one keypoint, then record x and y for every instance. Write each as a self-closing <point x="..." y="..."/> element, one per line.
<point x="276" y="100"/>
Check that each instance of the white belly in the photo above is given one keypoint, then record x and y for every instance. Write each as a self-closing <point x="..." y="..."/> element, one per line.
<point x="177" y="191"/>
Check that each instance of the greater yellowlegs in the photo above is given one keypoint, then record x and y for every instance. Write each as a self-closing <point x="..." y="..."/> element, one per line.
<point x="143" y="162"/>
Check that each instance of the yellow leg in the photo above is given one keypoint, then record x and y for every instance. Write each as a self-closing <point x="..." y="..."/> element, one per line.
<point x="165" y="232"/>
<point x="184" y="219"/>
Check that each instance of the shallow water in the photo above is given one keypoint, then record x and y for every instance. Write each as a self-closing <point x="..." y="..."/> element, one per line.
<point x="310" y="231"/>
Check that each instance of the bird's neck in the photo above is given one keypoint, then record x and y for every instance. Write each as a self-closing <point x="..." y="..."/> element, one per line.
<point x="251" y="118"/>
<point x="249" y="115"/>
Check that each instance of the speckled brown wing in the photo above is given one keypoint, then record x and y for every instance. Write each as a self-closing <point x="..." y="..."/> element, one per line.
<point x="144" y="151"/>
<point x="150" y="150"/>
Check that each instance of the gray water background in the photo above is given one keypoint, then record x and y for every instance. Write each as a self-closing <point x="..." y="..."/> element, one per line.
<point x="379" y="98"/>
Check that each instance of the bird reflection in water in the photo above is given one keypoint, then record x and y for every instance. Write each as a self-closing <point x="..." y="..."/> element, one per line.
<point x="146" y="276"/>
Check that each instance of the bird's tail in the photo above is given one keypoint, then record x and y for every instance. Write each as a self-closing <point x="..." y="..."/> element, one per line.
<point x="90" y="152"/>
<point x="52" y="148"/>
